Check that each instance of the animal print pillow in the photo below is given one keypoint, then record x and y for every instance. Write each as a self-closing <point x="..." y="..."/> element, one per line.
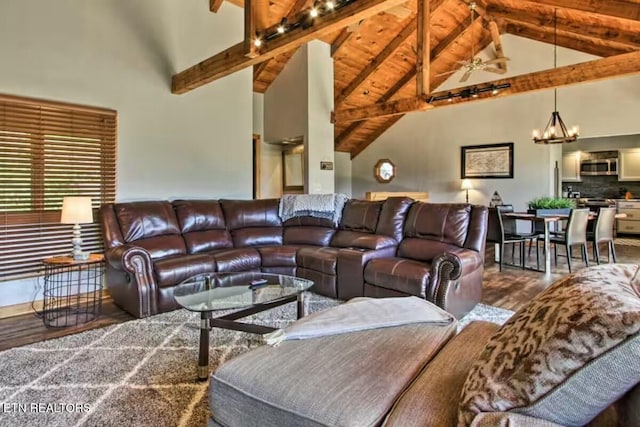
<point x="567" y="355"/>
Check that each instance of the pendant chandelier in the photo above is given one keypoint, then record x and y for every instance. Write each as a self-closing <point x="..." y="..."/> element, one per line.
<point x="556" y="132"/>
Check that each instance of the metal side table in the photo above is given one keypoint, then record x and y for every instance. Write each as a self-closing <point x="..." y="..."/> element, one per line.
<point x="72" y="290"/>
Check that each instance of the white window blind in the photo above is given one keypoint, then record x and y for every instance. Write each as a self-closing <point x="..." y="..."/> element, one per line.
<point x="49" y="150"/>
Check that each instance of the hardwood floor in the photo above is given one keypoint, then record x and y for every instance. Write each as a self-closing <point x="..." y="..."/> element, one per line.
<point x="509" y="289"/>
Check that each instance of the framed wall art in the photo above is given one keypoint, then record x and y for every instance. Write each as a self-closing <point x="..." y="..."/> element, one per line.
<point x="487" y="161"/>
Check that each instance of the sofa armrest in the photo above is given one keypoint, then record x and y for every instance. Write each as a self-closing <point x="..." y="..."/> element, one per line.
<point x="130" y="280"/>
<point x="460" y="262"/>
<point x="509" y="419"/>
<point x="456" y="281"/>
<point x="350" y="269"/>
<point x="128" y="258"/>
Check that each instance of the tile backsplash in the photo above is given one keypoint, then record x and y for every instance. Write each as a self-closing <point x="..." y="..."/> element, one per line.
<point x="600" y="186"/>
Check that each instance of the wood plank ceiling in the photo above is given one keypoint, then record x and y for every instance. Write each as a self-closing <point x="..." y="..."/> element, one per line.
<point x="375" y="59"/>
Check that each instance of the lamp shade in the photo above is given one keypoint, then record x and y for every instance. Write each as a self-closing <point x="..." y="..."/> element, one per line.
<point x="76" y="210"/>
<point x="466" y="185"/>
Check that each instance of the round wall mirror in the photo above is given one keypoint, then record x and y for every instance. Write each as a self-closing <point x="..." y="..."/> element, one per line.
<point x="384" y="170"/>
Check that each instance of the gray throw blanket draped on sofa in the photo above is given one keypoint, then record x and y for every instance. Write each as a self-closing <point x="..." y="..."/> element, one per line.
<point x="327" y="206"/>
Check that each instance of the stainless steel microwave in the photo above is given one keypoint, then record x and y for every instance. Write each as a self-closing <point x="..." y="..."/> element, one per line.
<point x="599" y="167"/>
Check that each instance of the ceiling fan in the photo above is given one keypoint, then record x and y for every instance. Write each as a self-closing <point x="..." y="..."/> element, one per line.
<point x="475" y="63"/>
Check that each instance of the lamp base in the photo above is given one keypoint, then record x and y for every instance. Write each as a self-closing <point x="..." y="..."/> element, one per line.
<point x="78" y="254"/>
<point x="81" y="256"/>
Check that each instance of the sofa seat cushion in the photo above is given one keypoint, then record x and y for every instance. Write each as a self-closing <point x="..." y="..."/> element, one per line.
<point x="278" y="256"/>
<point x="328" y="381"/>
<point x="431" y="399"/>
<point x="403" y="275"/>
<point x="565" y="356"/>
<point x="173" y="270"/>
<point x="323" y="260"/>
<point x="357" y="239"/>
<point x="239" y="259"/>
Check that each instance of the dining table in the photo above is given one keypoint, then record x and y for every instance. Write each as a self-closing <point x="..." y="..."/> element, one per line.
<point x="547" y="220"/>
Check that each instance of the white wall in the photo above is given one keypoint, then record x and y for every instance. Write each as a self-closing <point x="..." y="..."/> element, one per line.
<point x="425" y="146"/>
<point x="299" y="103"/>
<point x="319" y="145"/>
<point x="121" y="54"/>
<point x="343" y="173"/>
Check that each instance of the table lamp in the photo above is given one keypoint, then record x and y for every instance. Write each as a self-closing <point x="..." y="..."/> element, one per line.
<point x="76" y="211"/>
<point x="466" y="185"/>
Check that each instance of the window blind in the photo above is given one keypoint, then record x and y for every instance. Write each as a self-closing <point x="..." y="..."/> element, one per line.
<point x="49" y="150"/>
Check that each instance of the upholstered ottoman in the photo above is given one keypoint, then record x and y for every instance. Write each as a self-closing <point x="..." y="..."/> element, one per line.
<point x="326" y="381"/>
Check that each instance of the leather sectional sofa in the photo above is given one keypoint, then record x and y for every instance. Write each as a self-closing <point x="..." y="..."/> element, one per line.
<point x="379" y="248"/>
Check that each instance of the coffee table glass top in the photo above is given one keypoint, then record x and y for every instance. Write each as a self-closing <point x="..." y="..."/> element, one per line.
<point x="222" y="291"/>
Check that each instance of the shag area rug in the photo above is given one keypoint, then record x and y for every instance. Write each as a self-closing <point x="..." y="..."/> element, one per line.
<point x="138" y="373"/>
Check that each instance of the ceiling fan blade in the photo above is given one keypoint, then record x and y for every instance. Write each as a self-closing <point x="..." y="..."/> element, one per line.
<point x="496" y="60"/>
<point x="465" y="76"/>
<point x="444" y="74"/>
<point x="494" y="70"/>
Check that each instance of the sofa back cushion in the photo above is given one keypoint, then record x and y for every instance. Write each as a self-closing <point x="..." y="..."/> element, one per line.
<point x="392" y="216"/>
<point x="151" y="225"/>
<point x="434" y="228"/>
<point x="202" y="225"/>
<point x="442" y="222"/>
<point x="565" y="356"/>
<point x="253" y="222"/>
<point x="360" y="215"/>
<point x="307" y="230"/>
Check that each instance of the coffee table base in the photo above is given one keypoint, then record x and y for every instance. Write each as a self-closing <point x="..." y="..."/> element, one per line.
<point x="229" y="322"/>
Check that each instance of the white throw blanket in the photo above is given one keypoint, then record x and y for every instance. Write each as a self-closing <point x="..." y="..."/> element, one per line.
<point x="361" y="314"/>
<point x="327" y="206"/>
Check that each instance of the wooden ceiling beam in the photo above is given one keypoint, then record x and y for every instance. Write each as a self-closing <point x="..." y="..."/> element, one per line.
<point x="618" y="34"/>
<point x="567" y="40"/>
<point x="618" y="8"/>
<point x="376" y="62"/>
<point x="355" y="126"/>
<point x="214" y="5"/>
<point x="342" y="38"/>
<point x="436" y="53"/>
<point x="599" y="69"/>
<point x="234" y="59"/>
<point x="451" y="38"/>
<point x="423" y="61"/>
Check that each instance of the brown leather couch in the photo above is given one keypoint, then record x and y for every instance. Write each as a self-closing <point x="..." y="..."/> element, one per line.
<point x="152" y="246"/>
<point x="436" y="237"/>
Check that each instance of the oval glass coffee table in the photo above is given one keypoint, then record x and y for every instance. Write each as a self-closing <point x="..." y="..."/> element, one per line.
<point x="246" y="292"/>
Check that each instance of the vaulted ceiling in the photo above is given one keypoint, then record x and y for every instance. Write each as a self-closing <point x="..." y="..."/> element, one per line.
<point x="390" y="55"/>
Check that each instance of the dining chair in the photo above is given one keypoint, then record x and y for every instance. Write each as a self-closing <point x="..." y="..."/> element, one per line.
<point x="575" y="234"/>
<point x="603" y="233"/>
<point x="503" y="231"/>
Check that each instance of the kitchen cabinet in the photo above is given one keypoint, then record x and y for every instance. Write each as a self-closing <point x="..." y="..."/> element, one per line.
<point x="629" y="165"/>
<point x="630" y="224"/>
<point x="571" y="167"/>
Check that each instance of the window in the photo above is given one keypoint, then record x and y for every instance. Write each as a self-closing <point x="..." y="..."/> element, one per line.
<point x="49" y="150"/>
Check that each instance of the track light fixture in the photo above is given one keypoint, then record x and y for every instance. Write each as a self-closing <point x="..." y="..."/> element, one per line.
<point x="469" y="92"/>
<point x="304" y="19"/>
<point x="282" y="27"/>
